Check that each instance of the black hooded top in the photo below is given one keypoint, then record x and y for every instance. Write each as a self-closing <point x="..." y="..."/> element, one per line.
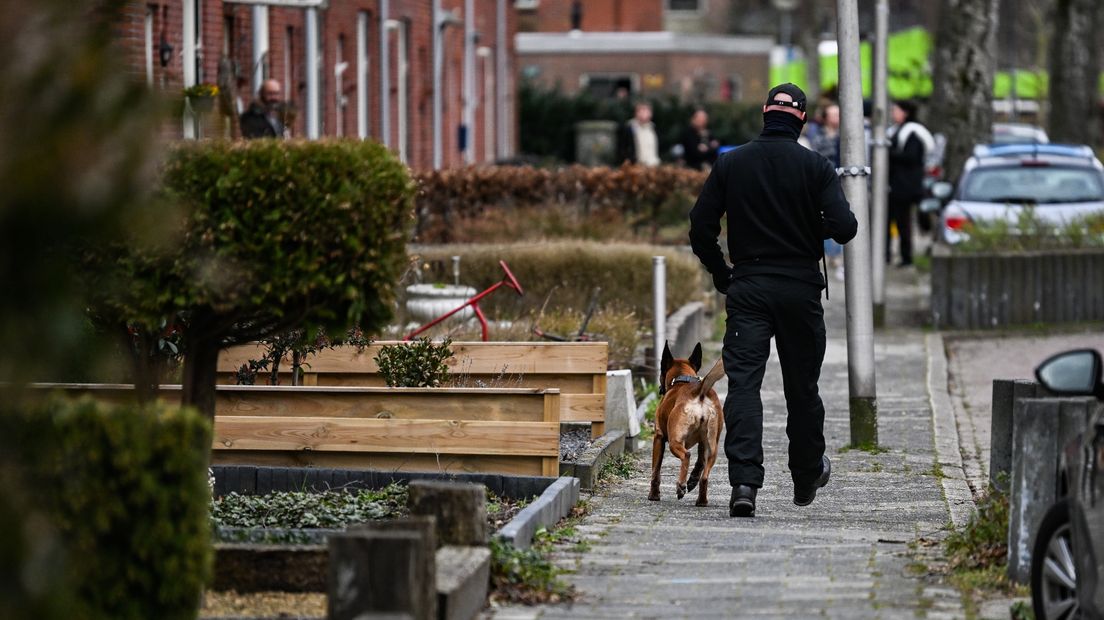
<point x="782" y="201"/>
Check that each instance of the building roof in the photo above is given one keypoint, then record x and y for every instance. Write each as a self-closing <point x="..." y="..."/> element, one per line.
<point x="577" y="42"/>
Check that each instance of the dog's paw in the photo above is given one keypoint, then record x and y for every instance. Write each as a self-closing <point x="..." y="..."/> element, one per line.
<point x="680" y="490"/>
<point x="701" y="502"/>
<point x="691" y="484"/>
<point x="654" y="496"/>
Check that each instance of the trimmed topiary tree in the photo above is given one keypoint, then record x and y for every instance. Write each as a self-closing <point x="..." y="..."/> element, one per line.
<point x="272" y="236"/>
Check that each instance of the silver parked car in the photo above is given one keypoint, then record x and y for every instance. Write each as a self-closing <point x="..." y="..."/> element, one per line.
<point x="1067" y="561"/>
<point x="1062" y="183"/>
<point x="1018" y="133"/>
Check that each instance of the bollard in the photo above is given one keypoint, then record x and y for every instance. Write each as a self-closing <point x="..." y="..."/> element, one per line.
<point x="1005" y="394"/>
<point x="459" y="508"/>
<point x="659" y="298"/>
<point x="383" y="571"/>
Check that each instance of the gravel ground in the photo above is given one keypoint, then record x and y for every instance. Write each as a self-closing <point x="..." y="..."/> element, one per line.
<point x="573" y="442"/>
<point x="263" y="604"/>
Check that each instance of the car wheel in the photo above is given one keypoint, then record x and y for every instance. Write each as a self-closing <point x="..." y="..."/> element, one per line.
<point x="1053" y="572"/>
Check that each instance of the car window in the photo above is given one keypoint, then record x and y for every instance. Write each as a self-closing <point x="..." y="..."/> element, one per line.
<point x="1051" y="184"/>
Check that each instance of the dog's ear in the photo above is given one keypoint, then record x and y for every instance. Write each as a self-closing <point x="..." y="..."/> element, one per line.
<point x="668" y="359"/>
<point x="696" y="357"/>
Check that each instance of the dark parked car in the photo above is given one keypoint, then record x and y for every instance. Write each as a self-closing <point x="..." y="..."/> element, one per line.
<point x="1068" y="559"/>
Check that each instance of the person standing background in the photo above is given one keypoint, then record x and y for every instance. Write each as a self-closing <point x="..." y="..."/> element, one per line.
<point x="265" y="116"/>
<point x="699" y="149"/>
<point x="909" y="143"/>
<point x="637" y="142"/>
<point x="781" y="200"/>
<point x="826" y="141"/>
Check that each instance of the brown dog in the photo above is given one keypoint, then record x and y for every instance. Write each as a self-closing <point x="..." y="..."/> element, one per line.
<point x="690" y="414"/>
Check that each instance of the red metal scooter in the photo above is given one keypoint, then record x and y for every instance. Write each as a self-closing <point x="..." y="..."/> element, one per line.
<point x="508" y="281"/>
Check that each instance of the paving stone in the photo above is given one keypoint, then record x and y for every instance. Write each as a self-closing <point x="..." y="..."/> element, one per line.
<point x="845" y="556"/>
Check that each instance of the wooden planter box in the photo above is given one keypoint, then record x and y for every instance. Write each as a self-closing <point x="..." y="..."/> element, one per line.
<point x="513" y="430"/>
<point x="993" y="290"/>
<point x="576" y="369"/>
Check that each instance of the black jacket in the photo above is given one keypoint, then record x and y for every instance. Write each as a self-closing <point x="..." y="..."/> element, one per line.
<point x="255" y="123"/>
<point x="695" y="157"/>
<point x="782" y="201"/>
<point x="906" y="169"/>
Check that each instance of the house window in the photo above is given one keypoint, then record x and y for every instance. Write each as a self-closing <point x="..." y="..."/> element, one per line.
<point x="610" y="86"/>
<point x="683" y="5"/>
<point x="526" y="5"/>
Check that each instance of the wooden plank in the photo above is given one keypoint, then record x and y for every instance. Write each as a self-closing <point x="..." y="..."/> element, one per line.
<point x="550" y="467"/>
<point x="443" y="463"/>
<point x="468" y="357"/>
<point x="490" y="405"/>
<point x="387" y="436"/>
<point x="552" y="408"/>
<point x="566" y="383"/>
<point x="583" y="408"/>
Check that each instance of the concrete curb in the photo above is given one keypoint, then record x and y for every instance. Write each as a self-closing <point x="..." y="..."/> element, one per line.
<point x="948" y="454"/>
<point x="554" y="504"/>
<point x="590" y="462"/>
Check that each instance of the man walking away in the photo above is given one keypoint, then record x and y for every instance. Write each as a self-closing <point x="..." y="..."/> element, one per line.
<point x="699" y="149"/>
<point x="909" y="143"/>
<point x="265" y="116"/>
<point x="781" y="201"/>
<point x="637" y="142"/>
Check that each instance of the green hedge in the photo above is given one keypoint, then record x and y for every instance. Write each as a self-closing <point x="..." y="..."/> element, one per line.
<point x="569" y="270"/>
<point x="125" y="488"/>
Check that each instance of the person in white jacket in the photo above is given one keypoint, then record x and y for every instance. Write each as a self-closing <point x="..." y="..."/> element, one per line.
<point x="909" y="144"/>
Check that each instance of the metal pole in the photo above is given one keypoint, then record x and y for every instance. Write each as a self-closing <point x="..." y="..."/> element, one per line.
<point x="438" y="75"/>
<point x="860" y="319"/>
<point x="385" y="72"/>
<point x="469" y="81"/>
<point x="501" y="46"/>
<point x="488" y="105"/>
<point x="659" y="291"/>
<point x="313" y="120"/>
<point x="880" y="210"/>
<point x="260" y="46"/>
<point x="188" y="53"/>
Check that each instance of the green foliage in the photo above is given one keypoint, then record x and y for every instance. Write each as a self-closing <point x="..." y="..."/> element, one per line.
<point x="547" y="118"/>
<point x="525" y="575"/>
<point x="75" y="164"/>
<point x="621" y="466"/>
<point x="125" y="488"/>
<point x="273" y="234"/>
<point x="302" y="510"/>
<point x="421" y="363"/>
<point x="566" y="272"/>
<point x="983" y="543"/>
<point x="1033" y="233"/>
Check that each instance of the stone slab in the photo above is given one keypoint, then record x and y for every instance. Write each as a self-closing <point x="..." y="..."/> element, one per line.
<point x="621" y="403"/>
<point x="463" y="578"/>
<point x="554" y="504"/>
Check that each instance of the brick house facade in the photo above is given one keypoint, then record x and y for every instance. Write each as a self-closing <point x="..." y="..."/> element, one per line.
<point x="352" y="76"/>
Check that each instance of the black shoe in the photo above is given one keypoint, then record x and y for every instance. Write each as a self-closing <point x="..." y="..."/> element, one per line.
<point x="804" y="495"/>
<point x="742" y="503"/>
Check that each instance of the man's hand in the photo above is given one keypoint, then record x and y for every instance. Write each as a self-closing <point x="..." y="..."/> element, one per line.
<point x="721" y="280"/>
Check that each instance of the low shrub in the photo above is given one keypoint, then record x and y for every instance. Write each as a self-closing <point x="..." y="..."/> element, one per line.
<point x="419" y="363"/>
<point x="125" y="488"/>
<point x="491" y="203"/>
<point x="983" y="543"/>
<point x="619" y="328"/>
<point x="1032" y="233"/>
<point x="299" y="510"/>
<point x="566" y="273"/>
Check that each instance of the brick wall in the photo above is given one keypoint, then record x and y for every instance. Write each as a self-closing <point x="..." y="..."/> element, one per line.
<point x="598" y="16"/>
<point x="226" y="30"/>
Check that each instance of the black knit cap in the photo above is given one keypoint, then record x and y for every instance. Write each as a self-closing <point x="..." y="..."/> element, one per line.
<point x="790" y="89"/>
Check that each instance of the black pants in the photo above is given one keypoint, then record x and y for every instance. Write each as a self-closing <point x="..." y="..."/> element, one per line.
<point x="900" y="212"/>
<point x="759" y="307"/>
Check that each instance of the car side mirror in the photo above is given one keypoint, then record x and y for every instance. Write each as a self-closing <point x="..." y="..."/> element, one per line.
<point x="942" y="190"/>
<point x="930" y="205"/>
<point x="1073" y="373"/>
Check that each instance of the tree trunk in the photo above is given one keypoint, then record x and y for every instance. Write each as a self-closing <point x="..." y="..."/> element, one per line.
<point x="965" y="60"/>
<point x="1073" y="81"/>
<point x="200" y="372"/>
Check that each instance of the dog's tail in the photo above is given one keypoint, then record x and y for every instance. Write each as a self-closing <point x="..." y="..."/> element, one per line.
<point x="712" y="377"/>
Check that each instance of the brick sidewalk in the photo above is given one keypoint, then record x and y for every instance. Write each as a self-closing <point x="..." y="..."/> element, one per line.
<point x="845" y="556"/>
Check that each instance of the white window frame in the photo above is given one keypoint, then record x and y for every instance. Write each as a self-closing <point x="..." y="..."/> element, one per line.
<point x="363" y="67"/>
<point x="698" y="11"/>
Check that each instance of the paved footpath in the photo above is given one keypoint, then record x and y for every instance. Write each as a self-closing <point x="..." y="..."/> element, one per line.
<point x="845" y="556"/>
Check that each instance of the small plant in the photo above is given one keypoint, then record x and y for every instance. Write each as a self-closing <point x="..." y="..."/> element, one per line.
<point x="299" y="510"/>
<point x="984" y="541"/>
<point x="421" y="363"/>
<point x="621" y="466"/>
<point x="202" y="90"/>
<point x="525" y="576"/>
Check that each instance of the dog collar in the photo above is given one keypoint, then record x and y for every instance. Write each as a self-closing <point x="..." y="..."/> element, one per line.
<point x="677" y="380"/>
